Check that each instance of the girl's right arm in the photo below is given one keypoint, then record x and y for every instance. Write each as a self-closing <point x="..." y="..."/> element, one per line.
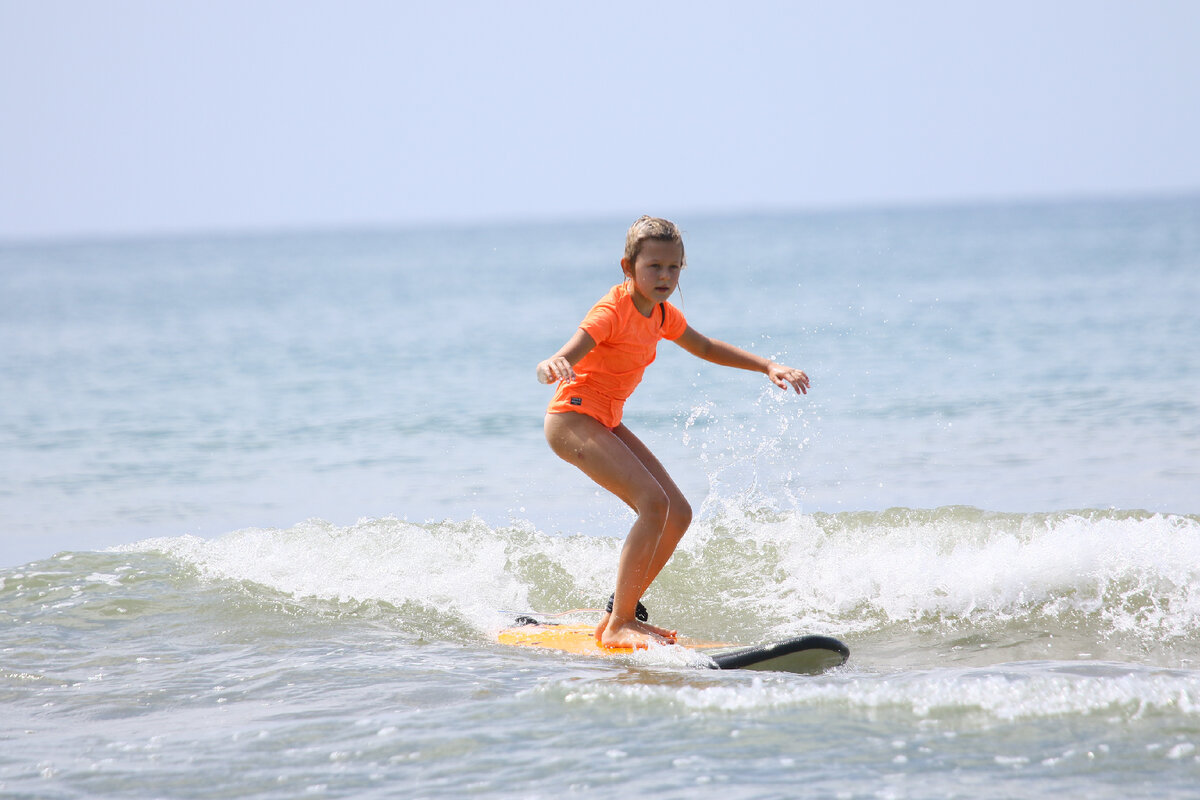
<point x="561" y="365"/>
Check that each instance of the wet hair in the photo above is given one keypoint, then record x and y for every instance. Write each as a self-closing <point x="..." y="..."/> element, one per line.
<point x="656" y="228"/>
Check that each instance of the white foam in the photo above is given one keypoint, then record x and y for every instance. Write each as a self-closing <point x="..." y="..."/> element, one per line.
<point x="1132" y="572"/>
<point x="464" y="567"/>
<point x="784" y="572"/>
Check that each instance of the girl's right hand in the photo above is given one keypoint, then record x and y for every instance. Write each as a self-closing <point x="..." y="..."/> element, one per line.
<point x="555" y="368"/>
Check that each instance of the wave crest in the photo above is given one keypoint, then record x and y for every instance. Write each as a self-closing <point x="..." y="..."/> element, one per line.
<point x="754" y="572"/>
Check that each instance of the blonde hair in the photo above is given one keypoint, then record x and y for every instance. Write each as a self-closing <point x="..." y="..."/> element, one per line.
<point x="656" y="228"/>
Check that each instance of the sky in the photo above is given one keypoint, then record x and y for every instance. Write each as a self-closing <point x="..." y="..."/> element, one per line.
<point x="128" y="117"/>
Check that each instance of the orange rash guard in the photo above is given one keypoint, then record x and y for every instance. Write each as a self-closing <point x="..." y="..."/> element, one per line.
<point x="626" y="343"/>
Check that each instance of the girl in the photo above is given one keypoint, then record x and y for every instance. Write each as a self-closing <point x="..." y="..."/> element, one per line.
<point x="597" y="369"/>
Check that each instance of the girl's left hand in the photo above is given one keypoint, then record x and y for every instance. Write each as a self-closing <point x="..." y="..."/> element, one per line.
<point x="782" y="376"/>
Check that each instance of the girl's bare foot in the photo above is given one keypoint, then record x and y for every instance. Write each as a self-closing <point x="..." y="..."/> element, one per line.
<point x="633" y="633"/>
<point x="669" y="635"/>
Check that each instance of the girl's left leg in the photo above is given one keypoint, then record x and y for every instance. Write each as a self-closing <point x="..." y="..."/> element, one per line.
<point x="679" y="517"/>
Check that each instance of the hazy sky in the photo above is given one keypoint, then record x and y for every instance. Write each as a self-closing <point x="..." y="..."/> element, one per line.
<point x="124" y="116"/>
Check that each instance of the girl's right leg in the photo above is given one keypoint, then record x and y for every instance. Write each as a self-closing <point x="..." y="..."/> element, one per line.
<point x="606" y="459"/>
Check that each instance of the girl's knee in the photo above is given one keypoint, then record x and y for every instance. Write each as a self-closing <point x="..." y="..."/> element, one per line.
<point x="681" y="514"/>
<point x="654" y="504"/>
<point x="670" y="510"/>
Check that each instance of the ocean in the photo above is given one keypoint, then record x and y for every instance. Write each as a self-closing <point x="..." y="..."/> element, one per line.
<point x="265" y="500"/>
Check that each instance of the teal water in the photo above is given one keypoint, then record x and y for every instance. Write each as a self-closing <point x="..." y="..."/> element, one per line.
<point x="265" y="500"/>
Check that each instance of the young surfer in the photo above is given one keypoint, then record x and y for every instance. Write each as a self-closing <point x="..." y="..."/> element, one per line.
<point x="596" y="370"/>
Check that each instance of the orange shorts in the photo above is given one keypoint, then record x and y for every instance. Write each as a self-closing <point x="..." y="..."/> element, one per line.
<point x="583" y="399"/>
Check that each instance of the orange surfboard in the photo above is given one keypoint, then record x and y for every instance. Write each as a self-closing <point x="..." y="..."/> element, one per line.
<point x="803" y="654"/>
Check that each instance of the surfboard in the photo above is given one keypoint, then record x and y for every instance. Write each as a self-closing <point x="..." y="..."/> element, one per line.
<point x="805" y="655"/>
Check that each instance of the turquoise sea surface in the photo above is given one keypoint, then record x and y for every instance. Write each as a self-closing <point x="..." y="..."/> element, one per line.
<point x="266" y="499"/>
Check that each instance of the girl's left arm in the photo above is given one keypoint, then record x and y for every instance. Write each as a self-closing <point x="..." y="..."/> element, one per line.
<point x="728" y="355"/>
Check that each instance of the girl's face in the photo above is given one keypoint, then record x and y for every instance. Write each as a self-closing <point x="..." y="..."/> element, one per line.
<point x="656" y="273"/>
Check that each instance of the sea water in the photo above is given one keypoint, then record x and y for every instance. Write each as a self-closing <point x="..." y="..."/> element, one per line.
<point x="265" y="500"/>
